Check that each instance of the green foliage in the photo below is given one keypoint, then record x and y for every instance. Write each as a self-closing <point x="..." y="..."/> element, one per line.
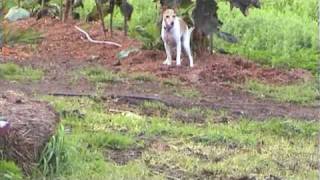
<point x="12" y="71"/>
<point x="282" y="33"/>
<point x="55" y="154"/>
<point x="9" y="171"/>
<point x="302" y="93"/>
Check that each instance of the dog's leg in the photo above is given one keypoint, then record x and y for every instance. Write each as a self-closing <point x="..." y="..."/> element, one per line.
<point x="168" y="61"/>
<point x="186" y="45"/>
<point x="178" y="59"/>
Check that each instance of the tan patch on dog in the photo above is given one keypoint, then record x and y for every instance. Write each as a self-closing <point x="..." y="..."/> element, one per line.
<point x="169" y="16"/>
<point x="183" y="25"/>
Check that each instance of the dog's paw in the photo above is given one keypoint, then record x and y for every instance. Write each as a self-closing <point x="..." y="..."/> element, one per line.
<point x="166" y="62"/>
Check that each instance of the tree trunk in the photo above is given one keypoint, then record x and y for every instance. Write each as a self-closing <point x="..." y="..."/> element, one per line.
<point x="68" y="4"/>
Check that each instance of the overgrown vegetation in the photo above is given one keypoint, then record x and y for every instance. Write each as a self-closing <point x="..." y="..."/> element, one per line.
<point x="281" y="34"/>
<point x="280" y="147"/>
<point x="302" y="93"/>
<point x="14" y="72"/>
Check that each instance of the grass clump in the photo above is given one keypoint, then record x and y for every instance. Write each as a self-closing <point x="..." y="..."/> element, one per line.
<point x="9" y="171"/>
<point x="12" y="36"/>
<point x="154" y="108"/>
<point x="188" y="93"/>
<point x="171" y="82"/>
<point x="303" y="93"/>
<point x="55" y="155"/>
<point x="115" y="141"/>
<point x="15" y="72"/>
<point x="143" y="77"/>
<point x="100" y="75"/>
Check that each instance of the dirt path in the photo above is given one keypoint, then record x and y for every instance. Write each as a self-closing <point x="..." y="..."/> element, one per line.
<point x="62" y="51"/>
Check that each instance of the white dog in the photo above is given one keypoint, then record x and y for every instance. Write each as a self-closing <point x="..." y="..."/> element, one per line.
<point x="175" y="33"/>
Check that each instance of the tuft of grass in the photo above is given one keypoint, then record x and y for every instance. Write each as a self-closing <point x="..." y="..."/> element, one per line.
<point x="143" y="77"/>
<point x="115" y="141"/>
<point x="172" y="82"/>
<point x="154" y="108"/>
<point x="188" y="93"/>
<point x="55" y="154"/>
<point x="9" y="170"/>
<point x="100" y="75"/>
<point x="303" y="93"/>
<point x="12" y="71"/>
<point x="12" y="36"/>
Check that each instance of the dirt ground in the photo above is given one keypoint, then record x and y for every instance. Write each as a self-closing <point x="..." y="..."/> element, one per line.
<point x="64" y="49"/>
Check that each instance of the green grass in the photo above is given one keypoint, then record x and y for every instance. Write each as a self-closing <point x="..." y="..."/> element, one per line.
<point x="302" y="93"/>
<point x="55" y="155"/>
<point x="154" y="108"/>
<point x="188" y="92"/>
<point x="10" y="71"/>
<point x="171" y="82"/>
<point x="100" y="75"/>
<point x="143" y="77"/>
<point x="281" y="147"/>
<point x="9" y="171"/>
<point x="117" y="141"/>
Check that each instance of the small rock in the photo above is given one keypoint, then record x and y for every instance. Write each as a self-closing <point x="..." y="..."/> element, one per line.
<point x="16" y="14"/>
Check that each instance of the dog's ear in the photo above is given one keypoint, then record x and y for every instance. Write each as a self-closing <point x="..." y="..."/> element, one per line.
<point x="163" y="8"/>
<point x="175" y="9"/>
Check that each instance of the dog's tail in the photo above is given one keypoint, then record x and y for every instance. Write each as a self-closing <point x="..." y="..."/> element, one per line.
<point x="227" y="37"/>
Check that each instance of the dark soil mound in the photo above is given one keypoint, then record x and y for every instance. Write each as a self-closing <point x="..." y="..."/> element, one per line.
<point x="32" y="123"/>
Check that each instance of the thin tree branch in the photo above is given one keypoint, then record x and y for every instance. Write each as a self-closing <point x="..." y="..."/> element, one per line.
<point x="96" y="41"/>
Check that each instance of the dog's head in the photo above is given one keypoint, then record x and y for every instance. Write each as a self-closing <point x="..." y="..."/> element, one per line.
<point x="168" y="17"/>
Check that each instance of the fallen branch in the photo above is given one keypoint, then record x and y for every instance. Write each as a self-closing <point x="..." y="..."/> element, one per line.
<point x="96" y="41"/>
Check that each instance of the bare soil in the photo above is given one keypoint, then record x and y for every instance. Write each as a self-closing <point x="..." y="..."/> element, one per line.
<point x="64" y="50"/>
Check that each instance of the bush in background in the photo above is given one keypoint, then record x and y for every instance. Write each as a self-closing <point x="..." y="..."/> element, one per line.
<point x="281" y="34"/>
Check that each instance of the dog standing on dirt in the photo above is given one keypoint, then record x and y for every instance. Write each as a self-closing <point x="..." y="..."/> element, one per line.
<point x="175" y="34"/>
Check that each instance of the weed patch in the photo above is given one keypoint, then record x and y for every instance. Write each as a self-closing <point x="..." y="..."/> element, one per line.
<point x="12" y="71"/>
<point x="143" y="77"/>
<point x="100" y="75"/>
